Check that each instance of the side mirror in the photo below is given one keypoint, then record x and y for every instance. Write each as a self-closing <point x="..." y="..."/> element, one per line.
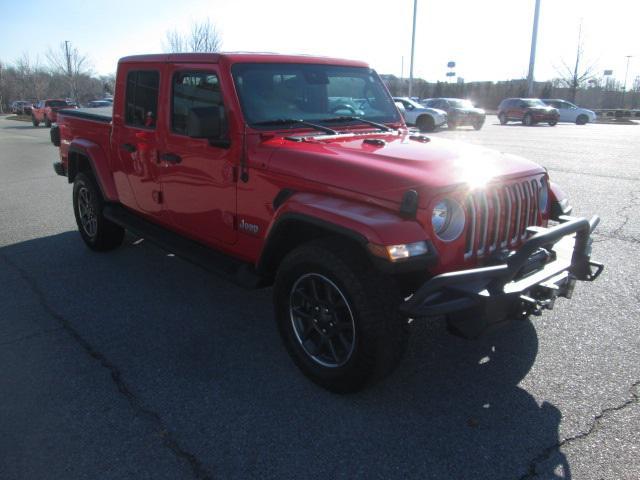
<point x="205" y="122"/>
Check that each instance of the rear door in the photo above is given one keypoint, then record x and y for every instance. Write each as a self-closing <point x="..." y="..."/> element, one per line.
<point x="197" y="177"/>
<point x="135" y="139"/>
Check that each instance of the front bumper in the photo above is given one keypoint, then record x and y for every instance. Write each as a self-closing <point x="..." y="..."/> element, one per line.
<point x="545" y="267"/>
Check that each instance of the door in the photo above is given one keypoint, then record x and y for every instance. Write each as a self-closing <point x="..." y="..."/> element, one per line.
<point x="135" y="138"/>
<point x="567" y="113"/>
<point x="197" y="175"/>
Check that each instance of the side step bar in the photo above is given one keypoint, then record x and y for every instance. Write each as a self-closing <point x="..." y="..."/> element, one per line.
<point x="240" y="273"/>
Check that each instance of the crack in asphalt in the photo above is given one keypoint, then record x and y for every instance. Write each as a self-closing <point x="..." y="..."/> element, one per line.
<point x="198" y="470"/>
<point x="616" y="233"/>
<point x="547" y="452"/>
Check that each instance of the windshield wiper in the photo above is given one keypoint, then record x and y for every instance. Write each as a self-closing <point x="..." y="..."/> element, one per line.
<point x="292" y="121"/>
<point x="347" y="118"/>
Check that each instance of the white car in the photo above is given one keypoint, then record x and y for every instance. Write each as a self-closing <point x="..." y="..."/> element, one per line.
<point x="570" y="112"/>
<point x="426" y="119"/>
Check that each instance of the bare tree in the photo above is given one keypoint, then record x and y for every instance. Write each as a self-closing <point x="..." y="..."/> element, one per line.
<point x="577" y="76"/>
<point x="203" y="37"/>
<point x="70" y="63"/>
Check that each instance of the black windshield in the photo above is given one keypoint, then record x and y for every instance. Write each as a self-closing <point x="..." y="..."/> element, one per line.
<point x="310" y="92"/>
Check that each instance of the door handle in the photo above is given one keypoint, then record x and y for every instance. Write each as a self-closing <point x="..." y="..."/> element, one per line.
<point x="171" y="158"/>
<point x="128" y="147"/>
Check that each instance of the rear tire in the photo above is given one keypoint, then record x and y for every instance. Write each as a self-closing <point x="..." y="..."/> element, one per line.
<point x="98" y="233"/>
<point x="425" y="124"/>
<point x="337" y="315"/>
<point x="47" y="122"/>
<point x="553" y="123"/>
<point x="503" y="119"/>
<point x="582" y="119"/>
<point x="527" y="120"/>
<point x="477" y="124"/>
<point x="34" y="121"/>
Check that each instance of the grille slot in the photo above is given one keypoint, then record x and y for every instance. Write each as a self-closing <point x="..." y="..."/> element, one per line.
<point x="499" y="215"/>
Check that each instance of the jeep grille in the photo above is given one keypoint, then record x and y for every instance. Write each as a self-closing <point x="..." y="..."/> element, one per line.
<point x="498" y="216"/>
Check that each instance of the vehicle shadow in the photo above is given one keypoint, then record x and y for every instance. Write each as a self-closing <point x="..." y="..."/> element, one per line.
<point x="205" y="356"/>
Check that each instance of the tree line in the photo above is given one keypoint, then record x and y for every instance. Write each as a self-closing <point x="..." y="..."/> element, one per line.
<point x="65" y="73"/>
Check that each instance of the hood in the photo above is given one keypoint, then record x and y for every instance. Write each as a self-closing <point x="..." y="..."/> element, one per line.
<point x="397" y="163"/>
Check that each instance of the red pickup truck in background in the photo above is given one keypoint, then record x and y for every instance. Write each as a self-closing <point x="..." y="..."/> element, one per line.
<point x="46" y="111"/>
<point x="299" y="172"/>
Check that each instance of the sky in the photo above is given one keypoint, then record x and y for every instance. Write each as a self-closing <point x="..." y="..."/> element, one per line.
<point x="488" y="39"/>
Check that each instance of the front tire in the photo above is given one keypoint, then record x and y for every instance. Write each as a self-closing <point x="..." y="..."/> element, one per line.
<point x="553" y="123"/>
<point x="34" y="121"/>
<point x="477" y="124"/>
<point x="47" y="122"/>
<point x="527" y="120"/>
<point x="503" y="119"/>
<point x="98" y="233"/>
<point x="338" y="316"/>
<point x="451" y="125"/>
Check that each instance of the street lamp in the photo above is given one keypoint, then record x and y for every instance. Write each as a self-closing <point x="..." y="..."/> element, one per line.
<point x="532" y="56"/>
<point x="626" y="73"/>
<point x="413" y="44"/>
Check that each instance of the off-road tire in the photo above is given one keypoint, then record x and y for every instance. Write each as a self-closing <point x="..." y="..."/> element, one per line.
<point x="425" y="124"/>
<point x="34" y="121"/>
<point x="503" y="119"/>
<point x="381" y="334"/>
<point x="102" y="234"/>
<point x="582" y="119"/>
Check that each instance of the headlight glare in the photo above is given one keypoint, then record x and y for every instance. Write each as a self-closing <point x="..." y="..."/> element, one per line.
<point x="440" y="216"/>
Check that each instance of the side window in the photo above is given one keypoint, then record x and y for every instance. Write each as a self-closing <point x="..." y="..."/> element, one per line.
<point x="192" y="90"/>
<point x="141" y="101"/>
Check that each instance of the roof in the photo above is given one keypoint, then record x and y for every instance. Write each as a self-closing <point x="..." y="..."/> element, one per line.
<point x="238" y="57"/>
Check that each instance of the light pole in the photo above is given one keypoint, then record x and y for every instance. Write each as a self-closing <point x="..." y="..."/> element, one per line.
<point x="413" y="44"/>
<point x="532" y="56"/>
<point x="626" y="74"/>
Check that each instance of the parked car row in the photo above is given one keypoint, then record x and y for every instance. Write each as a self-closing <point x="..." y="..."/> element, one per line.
<point x="431" y="113"/>
<point x="45" y="111"/>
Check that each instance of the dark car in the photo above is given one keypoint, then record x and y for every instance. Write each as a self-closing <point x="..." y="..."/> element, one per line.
<point x="99" y="103"/>
<point x="529" y="111"/>
<point x="460" y="112"/>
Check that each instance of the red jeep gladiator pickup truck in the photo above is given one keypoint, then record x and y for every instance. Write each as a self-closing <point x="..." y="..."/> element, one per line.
<point x="299" y="172"/>
<point x="46" y="111"/>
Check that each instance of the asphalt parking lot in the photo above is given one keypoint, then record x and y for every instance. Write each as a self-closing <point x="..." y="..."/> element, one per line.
<point x="135" y="364"/>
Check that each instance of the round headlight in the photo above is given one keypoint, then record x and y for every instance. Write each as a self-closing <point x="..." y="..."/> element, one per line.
<point x="543" y="196"/>
<point x="447" y="219"/>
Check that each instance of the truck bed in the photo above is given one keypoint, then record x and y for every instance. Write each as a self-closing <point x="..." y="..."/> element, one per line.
<point x="101" y="114"/>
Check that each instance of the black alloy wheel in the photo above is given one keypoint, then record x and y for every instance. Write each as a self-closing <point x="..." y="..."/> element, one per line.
<point x="337" y="315"/>
<point x="98" y="232"/>
<point x="322" y="320"/>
